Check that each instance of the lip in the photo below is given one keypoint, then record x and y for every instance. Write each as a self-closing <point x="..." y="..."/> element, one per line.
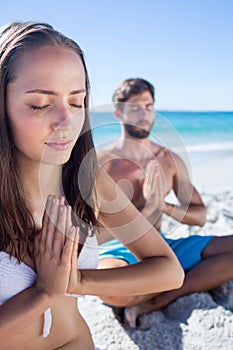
<point x="142" y="124"/>
<point x="59" y="145"/>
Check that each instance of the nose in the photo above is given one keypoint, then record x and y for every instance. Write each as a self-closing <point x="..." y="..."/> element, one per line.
<point x="62" y="119"/>
<point x="141" y="112"/>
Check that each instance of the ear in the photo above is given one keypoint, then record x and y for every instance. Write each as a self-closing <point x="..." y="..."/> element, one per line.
<point x="118" y="114"/>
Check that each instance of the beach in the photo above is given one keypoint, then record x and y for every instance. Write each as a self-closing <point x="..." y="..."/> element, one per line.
<point x="199" y="321"/>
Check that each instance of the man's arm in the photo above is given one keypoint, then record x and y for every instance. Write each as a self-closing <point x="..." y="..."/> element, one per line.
<point x="191" y="210"/>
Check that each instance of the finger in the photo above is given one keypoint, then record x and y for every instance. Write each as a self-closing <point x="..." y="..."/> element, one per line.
<point x="60" y="230"/>
<point x="52" y="222"/>
<point x="152" y="167"/>
<point x="61" y="200"/>
<point x="152" y="178"/>
<point x="68" y="247"/>
<point x="74" y="257"/>
<point x="62" y="203"/>
<point x="150" y="172"/>
<point x="152" y="164"/>
<point x="160" y="193"/>
<point x="144" y="189"/>
<point x="162" y="180"/>
<point x="152" y="190"/>
<point x="156" y="183"/>
<point x="36" y="244"/>
<point x="45" y="220"/>
<point x="147" y="178"/>
<point x="68" y="218"/>
<point x="147" y="170"/>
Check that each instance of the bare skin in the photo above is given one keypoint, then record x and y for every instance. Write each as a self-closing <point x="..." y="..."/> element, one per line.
<point x="21" y="321"/>
<point x="45" y="105"/>
<point x="147" y="172"/>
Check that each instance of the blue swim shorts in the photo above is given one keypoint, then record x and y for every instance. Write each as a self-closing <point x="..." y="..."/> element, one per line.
<point x="188" y="250"/>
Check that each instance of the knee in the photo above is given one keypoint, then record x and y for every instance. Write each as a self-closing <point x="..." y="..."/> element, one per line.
<point x="217" y="246"/>
<point x="118" y="301"/>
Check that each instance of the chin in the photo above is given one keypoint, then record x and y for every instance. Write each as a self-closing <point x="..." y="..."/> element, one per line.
<point x="55" y="160"/>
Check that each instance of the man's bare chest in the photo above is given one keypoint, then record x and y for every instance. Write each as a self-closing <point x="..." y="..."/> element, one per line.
<point x="130" y="176"/>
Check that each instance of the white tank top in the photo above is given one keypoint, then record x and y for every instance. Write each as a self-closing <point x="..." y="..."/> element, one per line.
<point x="15" y="277"/>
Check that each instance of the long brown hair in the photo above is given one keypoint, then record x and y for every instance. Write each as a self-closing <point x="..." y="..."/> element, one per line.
<point x="16" y="221"/>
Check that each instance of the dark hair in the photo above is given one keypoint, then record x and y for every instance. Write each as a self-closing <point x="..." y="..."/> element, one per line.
<point x="17" y="226"/>
<point x="130" y="87"/>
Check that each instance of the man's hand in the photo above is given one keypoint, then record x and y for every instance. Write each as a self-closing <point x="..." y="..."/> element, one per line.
<point x="154" y="189"/>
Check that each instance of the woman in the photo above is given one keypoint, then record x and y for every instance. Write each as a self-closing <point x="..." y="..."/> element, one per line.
<point x="48" y="169"/>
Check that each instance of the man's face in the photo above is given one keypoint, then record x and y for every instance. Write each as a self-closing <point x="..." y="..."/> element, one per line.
<point x="138" y="115"/>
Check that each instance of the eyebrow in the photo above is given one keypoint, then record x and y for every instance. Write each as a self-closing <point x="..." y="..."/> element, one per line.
<point x="48" y="92"/>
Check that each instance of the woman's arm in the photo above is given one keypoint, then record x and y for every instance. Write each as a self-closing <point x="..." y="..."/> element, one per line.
<point x="19" y="311"/>
<point x="53" y="251"/>
<point x="158" y="269"/>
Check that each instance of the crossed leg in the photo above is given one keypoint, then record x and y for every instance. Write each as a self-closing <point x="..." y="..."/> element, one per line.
<point x="214" y="270"/>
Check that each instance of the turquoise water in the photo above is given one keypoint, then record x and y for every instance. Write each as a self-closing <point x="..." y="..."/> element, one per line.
<point x="202" y="135"/>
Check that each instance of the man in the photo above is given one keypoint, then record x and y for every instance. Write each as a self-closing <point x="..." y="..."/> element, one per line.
<point x="147" y="172"/>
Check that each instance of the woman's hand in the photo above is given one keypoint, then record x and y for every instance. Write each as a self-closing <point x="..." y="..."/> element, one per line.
<point x="55" y="248"/>
<point x="75" y="276"/>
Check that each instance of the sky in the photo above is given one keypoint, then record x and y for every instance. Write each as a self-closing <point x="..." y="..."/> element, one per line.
<point x="184" y="48"/>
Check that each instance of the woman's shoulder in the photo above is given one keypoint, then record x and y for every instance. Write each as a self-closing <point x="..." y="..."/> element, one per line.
<point x="110" y="197"/>
<point x="105" y="185"/>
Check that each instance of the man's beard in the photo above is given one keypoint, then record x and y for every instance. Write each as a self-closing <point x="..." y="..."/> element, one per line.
<point x="137" y="131"/>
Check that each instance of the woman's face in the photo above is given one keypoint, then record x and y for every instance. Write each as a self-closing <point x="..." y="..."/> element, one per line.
<point x="45" y="104"/>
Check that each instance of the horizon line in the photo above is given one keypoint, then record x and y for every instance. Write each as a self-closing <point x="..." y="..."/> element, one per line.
<point x="173" y="110"/>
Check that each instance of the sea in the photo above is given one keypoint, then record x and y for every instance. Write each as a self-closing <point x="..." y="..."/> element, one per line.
<point x="197" y="137"/>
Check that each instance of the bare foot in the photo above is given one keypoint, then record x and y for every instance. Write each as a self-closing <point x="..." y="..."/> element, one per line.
<point x="157" y="303"/>
<point x="130" y="316"/>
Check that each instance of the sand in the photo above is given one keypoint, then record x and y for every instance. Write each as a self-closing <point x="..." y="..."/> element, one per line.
<point x="200" y="321"/>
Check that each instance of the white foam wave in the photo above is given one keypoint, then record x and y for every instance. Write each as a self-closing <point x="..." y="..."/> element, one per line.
<point x="206" y="147"/>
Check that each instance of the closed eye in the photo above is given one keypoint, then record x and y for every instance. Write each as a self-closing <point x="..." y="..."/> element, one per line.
<point x="39" y="108"/>
<point x="76" y="105"/>
<point x="150" y="107"/>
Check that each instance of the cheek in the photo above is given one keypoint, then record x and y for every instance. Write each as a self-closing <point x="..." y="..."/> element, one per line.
<point x="25" y="135"/>
<point x="78" y="124"/>
<point x="152" y="119"/>
<point x="18" y="130"/>
<point x="127" y="119"/>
